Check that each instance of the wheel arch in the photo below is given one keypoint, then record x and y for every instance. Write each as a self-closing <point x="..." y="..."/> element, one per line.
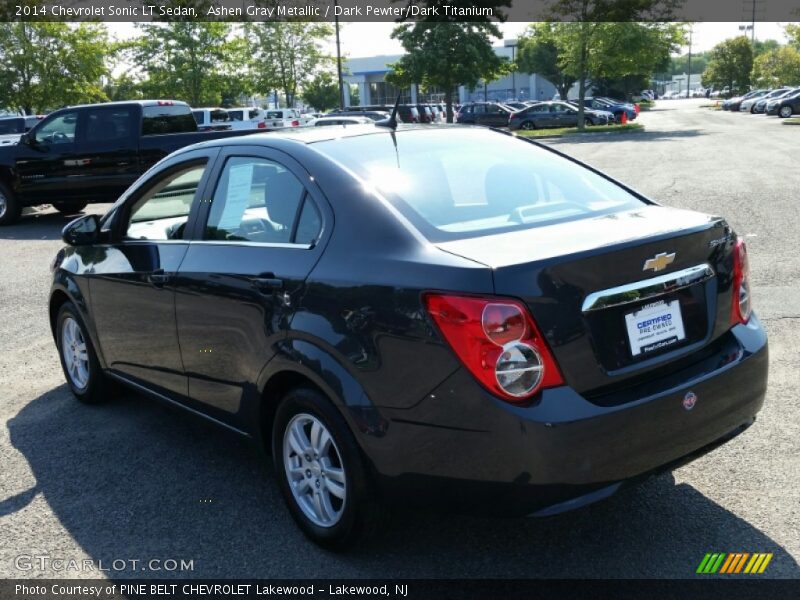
<point x="64" y="290"/>
<point x="304" y="363"/>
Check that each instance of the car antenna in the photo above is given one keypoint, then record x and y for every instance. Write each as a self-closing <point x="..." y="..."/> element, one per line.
<point x="391" y="122"/>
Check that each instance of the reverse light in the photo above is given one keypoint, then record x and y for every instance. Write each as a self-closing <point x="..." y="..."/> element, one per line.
<point x="741" y="305"/>
<point x="499" y="343"/>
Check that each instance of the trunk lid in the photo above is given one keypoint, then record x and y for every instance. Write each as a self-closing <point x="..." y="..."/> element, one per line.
<point x="620" y="295"/>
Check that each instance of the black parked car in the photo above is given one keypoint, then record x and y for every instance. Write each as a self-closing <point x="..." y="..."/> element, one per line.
<point x="555" y="114"/>
<point x="425" y="314"/>
<point x="491" y="114"/>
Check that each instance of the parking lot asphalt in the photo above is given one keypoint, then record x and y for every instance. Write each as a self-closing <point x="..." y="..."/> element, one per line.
<point x="133" y="480"/>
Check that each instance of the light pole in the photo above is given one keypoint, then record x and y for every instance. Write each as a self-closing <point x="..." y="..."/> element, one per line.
<point x="689" y="67"/>
<point x="513" y="45"/>
<point x="338" y="53"/>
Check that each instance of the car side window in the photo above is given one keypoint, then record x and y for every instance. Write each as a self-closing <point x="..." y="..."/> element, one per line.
<point x="109" y="125"/>
<point x="162" y="211"/>
<point x="256" y="200"/>
<point x="309" y="225"/>
<point x="58" y="130"/>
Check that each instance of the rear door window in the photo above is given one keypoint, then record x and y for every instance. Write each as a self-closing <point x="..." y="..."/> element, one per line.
<point x="259" y="200"/>
<point x="108" y="125"/>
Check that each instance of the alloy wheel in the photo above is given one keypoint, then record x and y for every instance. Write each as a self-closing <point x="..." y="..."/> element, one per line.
<point x="786" y="111"/>
<point x="315" y="470"/>
<point x="3" y="204"/>
<point x="527" y="125"/>
<point x="75" y="353"/>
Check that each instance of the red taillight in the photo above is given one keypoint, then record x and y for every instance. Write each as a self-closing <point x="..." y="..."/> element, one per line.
<point x="636" y="108"/>
<point x="499" y="343"/>
<point x="262" y="125"/>
<point x="295" y="123"/>
<point x="740" y="297"/>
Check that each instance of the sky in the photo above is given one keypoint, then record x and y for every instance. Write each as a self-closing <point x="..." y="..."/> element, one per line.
<point x="370" y="39"/>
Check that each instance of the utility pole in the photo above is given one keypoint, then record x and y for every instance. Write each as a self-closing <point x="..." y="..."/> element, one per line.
<point x="338" y="54"/>
<point x="689" y="68"/>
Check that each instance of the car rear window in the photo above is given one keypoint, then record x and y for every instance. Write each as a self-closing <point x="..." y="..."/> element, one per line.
<point x="9" y="126"/>
<point x="466" y="183"/>
<point x="169" y="118"/>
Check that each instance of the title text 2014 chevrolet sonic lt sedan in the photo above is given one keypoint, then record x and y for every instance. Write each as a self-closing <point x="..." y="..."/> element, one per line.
<point x="439" y="313"/>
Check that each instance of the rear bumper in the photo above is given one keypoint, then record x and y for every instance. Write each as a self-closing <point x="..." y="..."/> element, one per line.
<point x="473" y="452"/>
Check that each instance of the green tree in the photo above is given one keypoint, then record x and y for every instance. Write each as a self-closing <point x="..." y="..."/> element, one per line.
<point x="593" y="43"/>
<point x="191" y="61"/>
<point x="322" y="91"/>
<point x="123" y="87"/>
<point x="763" y="46"/>
<point x="355" y="98"/>
<point x="537" y="52"/>
<point x="793" y="33"/>
<point x="777" y="67"/>
<point x="48" y="65"/>
<point x="445" y="55"/>
<point x="286" y="55"/>
<point x="730" y="65"/>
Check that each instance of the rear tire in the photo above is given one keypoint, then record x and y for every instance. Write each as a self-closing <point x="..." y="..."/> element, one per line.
<point x="82" y="370"/>
<point x="10" y="208"/>
<point x="527" y="126"/>
<point x="69" y="208"/>
<point x="311" y="442"/>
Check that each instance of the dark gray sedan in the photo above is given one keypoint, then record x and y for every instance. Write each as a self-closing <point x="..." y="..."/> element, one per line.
<point x="554" y="114"/>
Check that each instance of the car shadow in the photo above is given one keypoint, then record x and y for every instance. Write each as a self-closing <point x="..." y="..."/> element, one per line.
<point x="42" y="223"/>
<point x="136" y="480"/>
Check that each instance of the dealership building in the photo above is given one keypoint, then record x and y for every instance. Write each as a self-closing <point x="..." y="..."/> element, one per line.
<point x="369" y="74"/>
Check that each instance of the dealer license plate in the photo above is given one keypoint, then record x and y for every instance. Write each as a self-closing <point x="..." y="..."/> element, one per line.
<point x="655" y="326"/>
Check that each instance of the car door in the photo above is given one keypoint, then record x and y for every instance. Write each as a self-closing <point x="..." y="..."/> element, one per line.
<point x="46" y="164"/>
<point x="108" y="149"/>
<point x="496" y="116"/>
<point x="566" y="115"/>
<point x="255" y="243"/>
<point x="132" y="281"/>
<point x="541" y="115"/>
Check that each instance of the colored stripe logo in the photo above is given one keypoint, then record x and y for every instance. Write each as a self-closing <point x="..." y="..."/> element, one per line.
<point x="734" y="562"/>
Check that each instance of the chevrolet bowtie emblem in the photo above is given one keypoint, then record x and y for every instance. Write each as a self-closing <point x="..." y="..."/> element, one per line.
<point x="659" y="262"/>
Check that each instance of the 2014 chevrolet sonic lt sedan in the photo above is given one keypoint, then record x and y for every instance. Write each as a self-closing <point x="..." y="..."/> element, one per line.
<point x="423" y="313"/>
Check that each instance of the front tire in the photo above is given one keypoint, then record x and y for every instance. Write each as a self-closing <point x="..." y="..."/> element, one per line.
<point x="321" y="472"/>
<point x="69" y="208"/>
<point x="10" y="208"/>
<point x="78" y="359"/>
<point x="785" y="112"/>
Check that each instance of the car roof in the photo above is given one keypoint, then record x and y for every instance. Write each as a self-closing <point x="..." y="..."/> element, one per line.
<point x="311" y="135"/>
<point x="131" y="102"/>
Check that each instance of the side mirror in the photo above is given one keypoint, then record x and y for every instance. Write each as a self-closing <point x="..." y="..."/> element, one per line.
<point x="26" y="139"/>
<point x="83" y="231"/>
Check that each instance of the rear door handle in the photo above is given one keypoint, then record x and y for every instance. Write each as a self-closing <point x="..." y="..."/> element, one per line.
<point x="158" y="277"/>
<point x="268" y="283"/>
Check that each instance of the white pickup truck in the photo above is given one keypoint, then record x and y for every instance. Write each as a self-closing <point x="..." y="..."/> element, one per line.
<point x="247" y="117"/>
<point x="281" y="118"/>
